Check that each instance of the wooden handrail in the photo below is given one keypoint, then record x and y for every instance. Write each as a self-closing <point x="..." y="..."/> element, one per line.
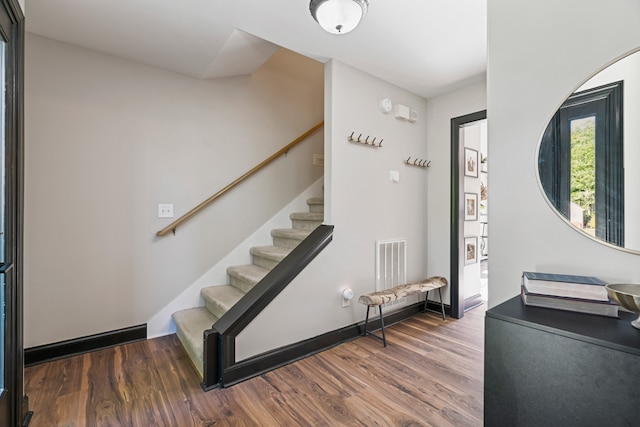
<point x="175" y="224"/>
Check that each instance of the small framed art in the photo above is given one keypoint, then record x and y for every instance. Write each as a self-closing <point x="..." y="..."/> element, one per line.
<point x="470" y="250"/>
<point x="470" y="207"/>
<point x="470" y="162"/>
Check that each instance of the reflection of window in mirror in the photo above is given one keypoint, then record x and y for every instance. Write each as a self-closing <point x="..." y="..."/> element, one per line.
<point x="583" y="173"/>
<point x="581" y="161"/>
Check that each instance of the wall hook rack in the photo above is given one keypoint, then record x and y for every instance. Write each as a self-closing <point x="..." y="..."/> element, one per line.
<point x="365" y="140"/>
<point x="418" y="162"/>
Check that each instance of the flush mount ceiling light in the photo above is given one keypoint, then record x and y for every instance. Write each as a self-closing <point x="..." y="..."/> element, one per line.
<point x="338" y="16"/>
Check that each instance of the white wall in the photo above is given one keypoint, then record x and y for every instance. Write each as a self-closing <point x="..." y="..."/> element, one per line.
<point x="440" y="112"/>
<point x="539" y="52"/>
<point x="108" y="139"/>
<point x="363" y="205"/>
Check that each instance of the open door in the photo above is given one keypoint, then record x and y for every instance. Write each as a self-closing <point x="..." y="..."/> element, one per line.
<point x="467" y="233"/>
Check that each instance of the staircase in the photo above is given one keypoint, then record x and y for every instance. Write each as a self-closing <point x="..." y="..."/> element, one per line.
<point x="192" y="322"/>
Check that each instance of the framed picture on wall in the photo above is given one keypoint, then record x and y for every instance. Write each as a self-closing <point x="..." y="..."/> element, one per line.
<point x="470" y="250"/>
<point x="471" y="162"/>
<point x="470" y="207"/>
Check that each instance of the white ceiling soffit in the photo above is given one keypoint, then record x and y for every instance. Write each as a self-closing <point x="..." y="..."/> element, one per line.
<point x="425" y="46"/>
<point x="241" y="55"/>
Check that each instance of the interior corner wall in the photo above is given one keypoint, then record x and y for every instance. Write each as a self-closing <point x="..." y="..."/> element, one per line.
<point x="441" y="110"/>
<point x="533" y="65"/>
<point x="363" y="205"/>
<point x="107" y="139"/>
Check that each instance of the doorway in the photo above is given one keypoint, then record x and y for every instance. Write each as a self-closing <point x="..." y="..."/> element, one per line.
<point x="13" y="402"/>
<point x="469" y="243"/>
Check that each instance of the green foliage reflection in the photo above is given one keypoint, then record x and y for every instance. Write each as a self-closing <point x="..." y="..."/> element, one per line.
<point x="583" y="167"/>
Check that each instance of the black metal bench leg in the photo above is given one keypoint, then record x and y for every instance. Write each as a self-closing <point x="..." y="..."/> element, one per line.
<point x="426" y="301"/>
<point x="441" y="303"/>
<point x="384" y="340"/>
<point x="366" y="321"/>
<point x="366" y="326"/>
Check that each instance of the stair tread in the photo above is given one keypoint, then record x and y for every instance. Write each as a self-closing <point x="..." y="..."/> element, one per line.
<point x="275" y="253"/>
<point x="307" y="216"/>
<point x="315" y="201"/>
<point x="225" y="296"/>
<point x="248" y="272"/>
<point x="190" y="324"/>
<point x="290" y="233"/>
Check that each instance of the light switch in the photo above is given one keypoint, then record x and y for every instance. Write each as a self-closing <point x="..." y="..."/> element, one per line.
<point x="165" y="210"/>
<point x="394" y="176"/>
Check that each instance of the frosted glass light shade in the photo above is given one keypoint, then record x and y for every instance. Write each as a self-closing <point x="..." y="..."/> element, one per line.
<point x="338" y="16"/>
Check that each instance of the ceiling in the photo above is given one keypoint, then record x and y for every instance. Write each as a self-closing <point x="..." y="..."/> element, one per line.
<point x="428" y="47"/>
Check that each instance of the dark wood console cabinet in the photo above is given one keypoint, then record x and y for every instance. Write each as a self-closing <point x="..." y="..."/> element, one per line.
<point x="547" y="367"/>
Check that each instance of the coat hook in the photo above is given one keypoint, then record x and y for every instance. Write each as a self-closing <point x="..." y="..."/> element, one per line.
<point x="429" y="163"/>
<point x="414" y="162"/>
<point x="408" y="160"/>
<point x="366" y="141"/>
<point x="359" y="136"/>
<point x="351" y="136"/>
<point x="374" y="141"/>
<point x="380" y="143"/>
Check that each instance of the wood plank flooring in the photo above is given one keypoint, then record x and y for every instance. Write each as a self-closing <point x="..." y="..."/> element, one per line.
<point x="430" y="374"/>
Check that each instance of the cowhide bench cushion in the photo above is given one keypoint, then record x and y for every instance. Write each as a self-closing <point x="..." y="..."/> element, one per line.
<point x="402" y="291"/>
<point x="377" y="299"/>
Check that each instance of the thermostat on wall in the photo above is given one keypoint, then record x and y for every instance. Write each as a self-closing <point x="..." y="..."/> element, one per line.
<point x="386" y="105"/>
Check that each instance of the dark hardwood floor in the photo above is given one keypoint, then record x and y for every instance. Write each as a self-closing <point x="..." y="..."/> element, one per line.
<point x="431" y="373"/>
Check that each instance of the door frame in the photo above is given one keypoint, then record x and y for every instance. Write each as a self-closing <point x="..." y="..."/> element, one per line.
<point x="13" y="402"/>
<point x="456" y="272"/>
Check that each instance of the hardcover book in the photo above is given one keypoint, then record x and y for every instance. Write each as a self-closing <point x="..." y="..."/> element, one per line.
<point x="565" y="285"/>
<point x="601" y="308"/>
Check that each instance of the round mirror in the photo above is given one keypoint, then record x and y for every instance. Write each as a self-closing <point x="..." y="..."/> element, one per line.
<point x="589" y="156"/>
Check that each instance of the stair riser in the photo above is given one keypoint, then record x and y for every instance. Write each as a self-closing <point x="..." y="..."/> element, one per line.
<point x="243" y="285"/>
<point x="283" y="242"/>
<point x="216" y="309"/>
<point x="316" y="208"/>
<point x="264" y="262"/>
<point x="305" y="225"/>
<point x="194" y="354"/>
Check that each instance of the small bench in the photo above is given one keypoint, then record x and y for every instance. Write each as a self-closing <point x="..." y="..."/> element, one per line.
<point x="377" y="299"/>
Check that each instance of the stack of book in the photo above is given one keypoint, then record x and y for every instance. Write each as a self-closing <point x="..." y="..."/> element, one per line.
<point x="583" y="294"/>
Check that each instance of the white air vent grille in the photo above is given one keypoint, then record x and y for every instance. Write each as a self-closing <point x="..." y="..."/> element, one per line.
<point x="391" y="265"/>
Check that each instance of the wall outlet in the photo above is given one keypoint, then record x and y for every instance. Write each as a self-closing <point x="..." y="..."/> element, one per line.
<point x="318" y="160"/>
<point x="347" y="296"/>
<point x="165" y="210"/>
